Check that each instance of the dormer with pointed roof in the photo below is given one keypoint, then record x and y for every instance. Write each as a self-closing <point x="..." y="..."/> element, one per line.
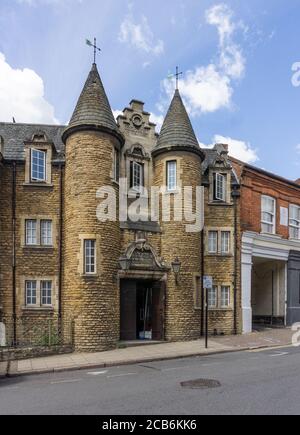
<point x="177" y="133"/>
<point x="93" y="111"/>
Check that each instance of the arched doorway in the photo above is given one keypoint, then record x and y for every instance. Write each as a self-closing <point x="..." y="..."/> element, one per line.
<point x="142" y="295"/>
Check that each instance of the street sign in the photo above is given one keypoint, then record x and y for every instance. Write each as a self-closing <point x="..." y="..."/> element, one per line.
<point x="207" y="285"/>
<point x="208" y="282"/>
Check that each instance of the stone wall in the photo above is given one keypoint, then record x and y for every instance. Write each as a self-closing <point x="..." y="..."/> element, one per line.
<point x="92" y="300"/>
<point x="222" y="268"/>
<point x="34" y="263"/>
<point x="182" y="320"/>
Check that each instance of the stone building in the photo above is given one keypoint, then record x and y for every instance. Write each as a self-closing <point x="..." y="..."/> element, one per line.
<point x="270" y="225"/>
<point x="135" y="277"/>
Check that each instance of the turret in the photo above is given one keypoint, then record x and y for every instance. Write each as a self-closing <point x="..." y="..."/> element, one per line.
<point x="91" y="247"/>
<point x="177" y="164"/>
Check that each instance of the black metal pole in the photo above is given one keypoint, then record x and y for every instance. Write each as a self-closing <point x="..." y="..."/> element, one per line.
<point x="14" y="253"/>
<point x="202" y="286"/>
<point x="236" y="195"/>
<point x="272" y="318"/>
<point x="60" y="246"/>
<point x="206" y="319"/>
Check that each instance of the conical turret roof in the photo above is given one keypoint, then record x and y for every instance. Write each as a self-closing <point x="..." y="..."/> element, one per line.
<point x="177" y="131"/>
<point x="93" y="108"/>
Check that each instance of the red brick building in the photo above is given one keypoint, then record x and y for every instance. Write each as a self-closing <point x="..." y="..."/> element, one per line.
<point x="270" y="223"/>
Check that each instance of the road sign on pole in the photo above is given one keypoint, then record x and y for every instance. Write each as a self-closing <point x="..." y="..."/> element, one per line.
<point x="208" y="282"/>
<point x="207" y="285"/>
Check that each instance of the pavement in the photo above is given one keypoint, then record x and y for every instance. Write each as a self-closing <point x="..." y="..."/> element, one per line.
<point x="267" y="338"/>
<point x="255" y="382"/>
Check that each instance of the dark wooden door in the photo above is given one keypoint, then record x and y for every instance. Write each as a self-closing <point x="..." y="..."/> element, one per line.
<point x="293" y="288"/>
<point x="128" y="310"/>
<point x="158" y="312"/>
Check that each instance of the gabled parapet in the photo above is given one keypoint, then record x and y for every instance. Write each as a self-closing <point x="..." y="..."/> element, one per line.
<point x="136" y="121"/>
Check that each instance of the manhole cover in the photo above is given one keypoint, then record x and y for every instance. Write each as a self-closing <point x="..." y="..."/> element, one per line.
<point x="201" y="384"/>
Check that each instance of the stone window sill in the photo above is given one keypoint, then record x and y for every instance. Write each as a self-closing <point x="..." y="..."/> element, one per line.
<point x="229" y="309"/>
<point x="222" y="310"/>
<point x="207" y="254"/>
<point x="45" y="185"/>
<point x="89" y="276"/>
<point x="38" y="248"/>
<point x="37" y="309"/>
<point x="220" y="204"/>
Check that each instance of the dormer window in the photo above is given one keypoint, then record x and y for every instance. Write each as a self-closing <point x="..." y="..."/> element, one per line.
<point x="220" y="182"/>
<point x="38" y="165"/>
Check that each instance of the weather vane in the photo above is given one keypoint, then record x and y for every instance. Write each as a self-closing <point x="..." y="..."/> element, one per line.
<point x="90" y="44"/>
<point x="177" y="75"/>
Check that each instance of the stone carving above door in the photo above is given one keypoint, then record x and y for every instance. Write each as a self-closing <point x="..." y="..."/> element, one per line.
<point x="142" y="256"/>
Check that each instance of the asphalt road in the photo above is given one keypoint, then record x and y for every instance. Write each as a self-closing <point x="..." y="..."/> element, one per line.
<point x="265" y="382"/>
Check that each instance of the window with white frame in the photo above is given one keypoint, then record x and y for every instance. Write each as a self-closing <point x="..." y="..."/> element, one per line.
<point x="46" y="233"/>
<point x="225" y="296"/>
<point x="220" y="181"/>
<point x="219" y="241"/>
<point x="294" y="222"/>
<point x="31" y="293"/>
<point x="225" y="242"/>
<point x="213" y="297"/>
<point x="268" y="215"/>
<point x="46" y="293"/>
<point x="90" y="257"/>
<point x="31" y="232"/>
<point x="172" y="175"/>
<point x="38" y="165"/>
<point x="137" y="176"/>
<point x="213" y="242"/>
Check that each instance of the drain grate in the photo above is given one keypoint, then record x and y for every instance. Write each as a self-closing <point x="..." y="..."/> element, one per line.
<point x="201" y="384"/>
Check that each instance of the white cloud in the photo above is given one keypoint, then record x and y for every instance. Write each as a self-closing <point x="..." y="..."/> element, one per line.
<point x="158" y="120"/>
<point x="116" y="113"/>
<point x="298" y="149"/>
<point x="204" y="90"/>
<point x="210" y="88"/>
<point x="232" y="61"/>
<point x="140" y="36"/>
<point x="237" y="148"/>
<point x="22" y="96"/>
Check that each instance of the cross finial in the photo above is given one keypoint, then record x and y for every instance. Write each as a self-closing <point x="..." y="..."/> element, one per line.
<point x="177" y="75"/>
<point x="90" y="44"/>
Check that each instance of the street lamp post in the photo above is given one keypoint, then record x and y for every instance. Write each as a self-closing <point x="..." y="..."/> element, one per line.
<point x="176" y="267"/>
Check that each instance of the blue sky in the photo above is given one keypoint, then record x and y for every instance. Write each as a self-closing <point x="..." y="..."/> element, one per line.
<point x="237" y="58"/>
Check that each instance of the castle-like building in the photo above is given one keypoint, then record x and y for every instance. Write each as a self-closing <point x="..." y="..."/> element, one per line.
<point x="117" y="279"/>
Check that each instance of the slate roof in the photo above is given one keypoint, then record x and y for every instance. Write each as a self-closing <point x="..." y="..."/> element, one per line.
<point x="93" y="107"/>
<point x="177" y="130"/>
<point x="14" y="136"/>
<point x="210" y="158"/>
